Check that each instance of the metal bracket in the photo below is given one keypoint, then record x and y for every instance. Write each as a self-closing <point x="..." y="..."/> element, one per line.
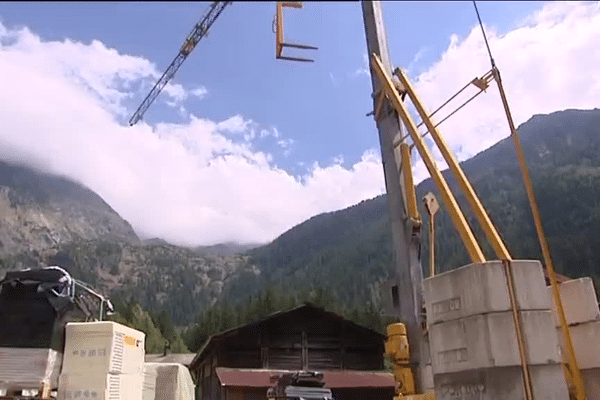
<point x="280" y="44"/>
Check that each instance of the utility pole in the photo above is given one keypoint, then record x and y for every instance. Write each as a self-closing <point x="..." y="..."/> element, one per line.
<point x="406" y="289"/>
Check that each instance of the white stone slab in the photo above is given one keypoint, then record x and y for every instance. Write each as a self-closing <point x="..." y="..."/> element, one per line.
<point x="482" y="288"/>
<point x="103" y="347"/>
<point x="502" y="383"/>
<point x="586" y="342"/>
<point x="490" y="340"/>
<point x="579" y="301"/>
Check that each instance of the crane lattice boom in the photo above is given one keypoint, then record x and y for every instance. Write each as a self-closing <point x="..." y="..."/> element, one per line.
<point x="200" y="30"/>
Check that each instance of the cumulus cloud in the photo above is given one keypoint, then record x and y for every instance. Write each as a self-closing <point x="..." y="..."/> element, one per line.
<point x="201" y="182"/>
<point x="200" y="92"/>
<point x="269" y="132"/>
<point x="550" y="62"/>
<point x="364" y="70"/>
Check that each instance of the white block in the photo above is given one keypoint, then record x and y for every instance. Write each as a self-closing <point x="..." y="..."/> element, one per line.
<point x="90" y="386"/>
<point x="591" y="380"/>
<point x="22" y="368"/>
<point x="482" y="288"/>
<point x="490" y="340"/>
<point x="103" y="347"/>
<point x="149" y="383"/>
<point x="586" y="342"/>
<point x="579" y="301"/>
<point x="427" y="379"/>
<point x="502" y="383"/>
<point x="173" y="381"/>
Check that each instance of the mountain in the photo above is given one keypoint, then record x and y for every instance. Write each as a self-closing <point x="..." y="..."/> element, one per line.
<point x="50" y="220"/>
<point x="38" y="210"/>
<point x="155" y="242"/>
<point x="348" y="252"/>
<point x="338" y="258"/>
<point x="225" y="249"/>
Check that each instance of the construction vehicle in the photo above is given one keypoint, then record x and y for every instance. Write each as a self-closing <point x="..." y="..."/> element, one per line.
<point x="390" y="92"/>
<point x="35" y="306"/>
<point x="53" y="344"/>
<point x="308" y="385"/>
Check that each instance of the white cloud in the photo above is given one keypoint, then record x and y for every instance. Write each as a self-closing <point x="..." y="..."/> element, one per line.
<point x="269" y="132"/>
<point x="200" y="92"/>
<point x="201" y="182"/>
<point x="175" y="91"/>
<point x="333" y="79"/>
<point x="416" y="59"/>
<point x="551" y="62"/>
<point x="364" y="70"/>
<point x="285" y="143"/>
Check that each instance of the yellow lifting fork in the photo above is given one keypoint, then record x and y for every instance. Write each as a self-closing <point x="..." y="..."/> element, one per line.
<point x="280" y="44"/>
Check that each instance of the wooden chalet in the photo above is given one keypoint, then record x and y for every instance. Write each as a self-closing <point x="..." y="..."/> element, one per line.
<point x="238" y="364"/>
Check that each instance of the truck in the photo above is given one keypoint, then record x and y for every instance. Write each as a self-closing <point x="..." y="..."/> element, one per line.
<point x="47" y="316"/>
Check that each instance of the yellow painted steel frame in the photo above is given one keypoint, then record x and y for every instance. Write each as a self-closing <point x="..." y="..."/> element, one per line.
<point x="465" y="185"/>
<point x="279" y="23"/>
<point x="455" y="212"/>
<point x="574" y="373"/>
<point x="426" y="396"/>
<point x="432" y="207"/>
<point x="457" y="216"/>
<point x="411" y="197"/>
<point x="396" y="347"/>
<point x="517" y="321"/>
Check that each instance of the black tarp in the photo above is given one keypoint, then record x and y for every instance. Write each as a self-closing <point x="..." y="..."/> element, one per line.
<point x="35" y="305"/>
<point x="50" y="275"/>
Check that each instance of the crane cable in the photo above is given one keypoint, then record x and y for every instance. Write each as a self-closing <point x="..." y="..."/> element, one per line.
<point x="573" y="371"/>
<point x="526" y="375"/>
<point x="484" y="36"/>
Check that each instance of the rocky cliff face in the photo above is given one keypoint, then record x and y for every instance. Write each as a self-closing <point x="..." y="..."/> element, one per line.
<point x="38" y="211"/>
<point x="48" y="220"/>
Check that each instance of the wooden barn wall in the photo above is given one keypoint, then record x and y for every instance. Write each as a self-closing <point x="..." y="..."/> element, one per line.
<point x="303" y="342"/>
<point x="300" y="340"/>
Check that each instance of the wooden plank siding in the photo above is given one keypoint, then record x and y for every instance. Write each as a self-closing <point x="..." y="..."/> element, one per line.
<point x="303" y="338"/>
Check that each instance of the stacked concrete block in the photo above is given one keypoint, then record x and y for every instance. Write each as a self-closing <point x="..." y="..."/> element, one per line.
<point x="583" y="319"/>
<point x="102" y="360"/>
<point x="168" y="381"/>
<point x="28" y="369"/>
<point x="473" y="341"/>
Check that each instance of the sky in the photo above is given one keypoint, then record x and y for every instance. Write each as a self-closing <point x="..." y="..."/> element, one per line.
<point x="241" y="147"/>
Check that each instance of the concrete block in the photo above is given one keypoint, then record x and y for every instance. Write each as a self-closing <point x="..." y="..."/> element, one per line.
<point x="427" y="379"/>
<point x="482" y="288"/>
<point x="100" y="386"/>
<point x="591" y="380"/>
<point x="490" y="340"/>
<point x="103" y="347"/>
<point x="502" y="383"/>
<point x="586" y="342"/>
<point x="579" y="301"/>
<point x="22" y="368"/>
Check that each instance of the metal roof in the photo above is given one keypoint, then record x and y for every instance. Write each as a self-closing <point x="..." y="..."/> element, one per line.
<point x="183" y="358"/>
<point x="277" y="314"/>
<point x="333" y="379"/>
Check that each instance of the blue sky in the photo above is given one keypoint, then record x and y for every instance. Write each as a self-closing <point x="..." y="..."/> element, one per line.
<point x="320" y="106"/>
<point x="317" y="109"/>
